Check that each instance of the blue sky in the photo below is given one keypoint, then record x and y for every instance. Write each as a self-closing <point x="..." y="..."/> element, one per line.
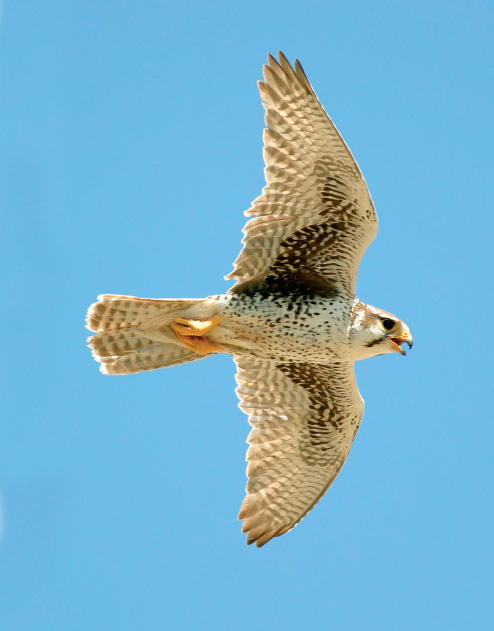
<point x="131" y="144"/>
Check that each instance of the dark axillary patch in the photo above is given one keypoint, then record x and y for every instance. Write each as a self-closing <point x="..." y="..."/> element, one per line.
<point x="324" y="418"/>
<point x="296" y="263"/>
<point x="305" y="254"/>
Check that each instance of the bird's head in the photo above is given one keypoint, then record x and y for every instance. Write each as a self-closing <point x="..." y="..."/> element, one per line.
<point x="377" y="332"/>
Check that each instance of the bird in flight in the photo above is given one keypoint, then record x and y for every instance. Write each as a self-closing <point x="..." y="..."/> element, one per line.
<point x="291" y="321"/>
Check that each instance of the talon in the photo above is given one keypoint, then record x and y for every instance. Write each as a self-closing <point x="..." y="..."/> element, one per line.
<point x="192" y="334"/>
<point x="194" y="327"/>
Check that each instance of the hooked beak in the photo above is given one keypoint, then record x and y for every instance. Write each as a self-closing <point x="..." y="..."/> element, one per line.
<point x="404" y="338"/>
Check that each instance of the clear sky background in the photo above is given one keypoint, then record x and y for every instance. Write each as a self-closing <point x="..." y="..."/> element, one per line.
<point x="131" y="144"/>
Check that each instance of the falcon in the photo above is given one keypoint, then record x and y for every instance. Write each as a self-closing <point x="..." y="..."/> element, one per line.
<point x="291" y="321"/>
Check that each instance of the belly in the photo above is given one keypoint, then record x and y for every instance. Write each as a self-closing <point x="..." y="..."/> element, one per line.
<point x="284" y="328"/>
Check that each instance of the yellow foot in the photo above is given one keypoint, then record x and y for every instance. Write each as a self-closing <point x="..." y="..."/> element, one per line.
<point x="192" y="334"/>
<point x="194" y="327"/>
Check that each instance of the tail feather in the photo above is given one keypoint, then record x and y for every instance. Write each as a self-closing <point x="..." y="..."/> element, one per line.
<point x="127" y="352"/>
<point x="134" y="334"/>
<point x="122" y="312"/>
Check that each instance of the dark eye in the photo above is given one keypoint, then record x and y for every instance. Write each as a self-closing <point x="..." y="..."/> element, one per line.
<point x="388" y="324"/>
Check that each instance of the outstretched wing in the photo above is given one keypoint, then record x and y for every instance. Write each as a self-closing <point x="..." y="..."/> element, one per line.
<point x="304" y="419"/>
<point x="315" y="218"/>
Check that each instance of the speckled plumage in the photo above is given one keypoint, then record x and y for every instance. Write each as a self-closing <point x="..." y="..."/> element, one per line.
<point x="292" y="321"/>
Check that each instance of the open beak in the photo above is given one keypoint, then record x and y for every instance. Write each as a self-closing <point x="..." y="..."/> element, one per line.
<point x="403" y="338"/>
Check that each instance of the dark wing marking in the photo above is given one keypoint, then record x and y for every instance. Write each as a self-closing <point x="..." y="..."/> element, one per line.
<point x="315" y="215"/>
<point x="304" y="418"/>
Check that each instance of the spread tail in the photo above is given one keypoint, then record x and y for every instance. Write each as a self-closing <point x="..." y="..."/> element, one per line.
<point x="134" y="334"/>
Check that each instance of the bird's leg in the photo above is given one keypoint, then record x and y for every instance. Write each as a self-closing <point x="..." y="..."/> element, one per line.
<point x="192" y="334"/>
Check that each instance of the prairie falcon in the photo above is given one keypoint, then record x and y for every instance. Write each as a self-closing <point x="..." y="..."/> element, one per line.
<point x="292" y="320"/>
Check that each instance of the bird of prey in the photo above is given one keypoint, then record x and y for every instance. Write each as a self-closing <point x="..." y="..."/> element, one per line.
<point x="291" y="321"/>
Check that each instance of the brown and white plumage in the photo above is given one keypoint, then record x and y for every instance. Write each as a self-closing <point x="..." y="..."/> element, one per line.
<point x="304" y="418"/>
<point x="315" y="216"/>
<point x="292" y="321"/>
<point x="133" y="333"/>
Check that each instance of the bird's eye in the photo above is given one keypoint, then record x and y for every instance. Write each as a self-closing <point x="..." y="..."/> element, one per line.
<point x="388" y="324"/>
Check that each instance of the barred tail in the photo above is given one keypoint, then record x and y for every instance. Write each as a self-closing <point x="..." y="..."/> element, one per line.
<point x="134" y="334"/>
